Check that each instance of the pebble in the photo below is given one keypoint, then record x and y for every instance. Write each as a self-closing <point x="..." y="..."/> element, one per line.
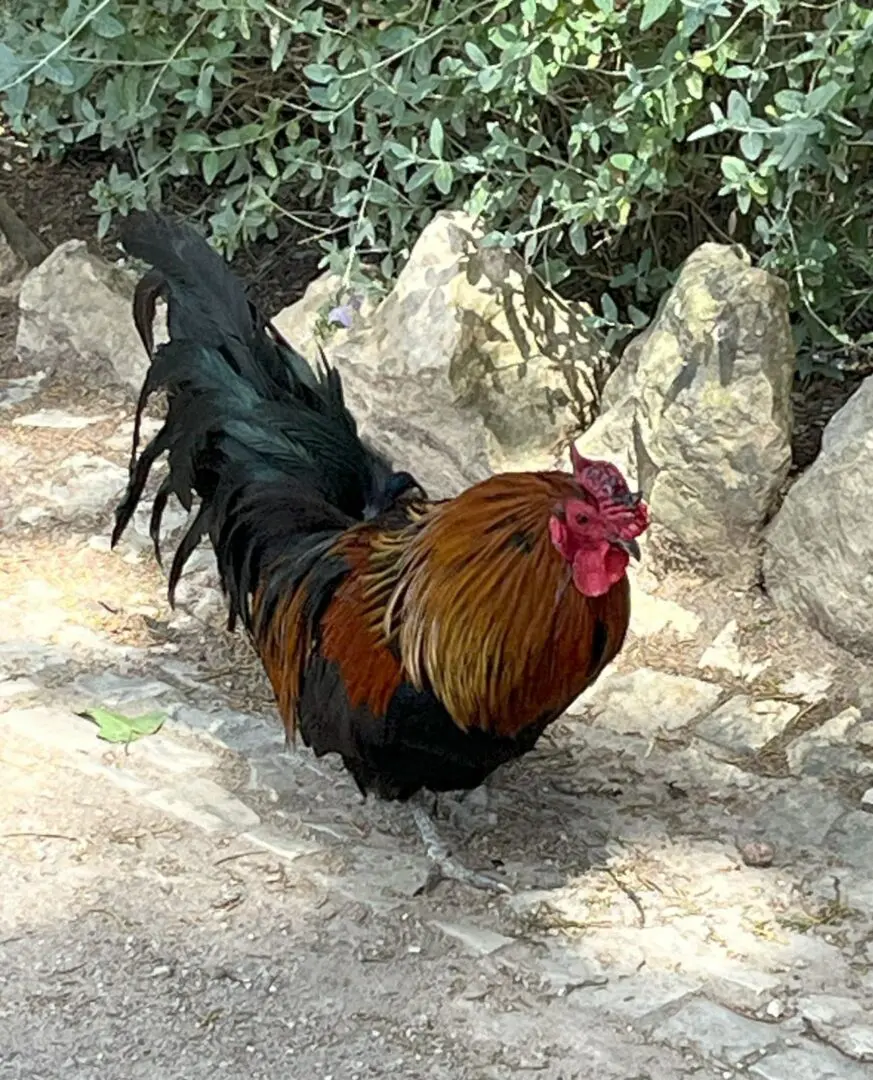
<point x="757" y="853"/>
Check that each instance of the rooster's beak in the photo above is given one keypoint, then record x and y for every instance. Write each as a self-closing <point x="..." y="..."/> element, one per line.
<point x="630" y="546"/>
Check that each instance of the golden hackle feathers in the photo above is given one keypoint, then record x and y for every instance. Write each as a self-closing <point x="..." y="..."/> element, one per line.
<point x="480" y="606"/>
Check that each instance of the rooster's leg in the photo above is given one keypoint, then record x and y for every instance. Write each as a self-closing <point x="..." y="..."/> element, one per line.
<point x="445" y="865"/>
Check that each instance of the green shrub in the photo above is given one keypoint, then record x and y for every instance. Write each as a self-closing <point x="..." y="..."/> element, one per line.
<point x="604" y="138"/>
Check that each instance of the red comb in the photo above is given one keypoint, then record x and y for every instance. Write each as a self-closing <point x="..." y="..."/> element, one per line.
<point x="579" y="463"/>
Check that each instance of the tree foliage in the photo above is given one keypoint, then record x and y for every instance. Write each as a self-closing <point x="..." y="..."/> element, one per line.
<point x="603" y="138"/>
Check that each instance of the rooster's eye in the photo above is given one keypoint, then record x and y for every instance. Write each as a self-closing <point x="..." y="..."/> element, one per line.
<point x="581" y="519"/>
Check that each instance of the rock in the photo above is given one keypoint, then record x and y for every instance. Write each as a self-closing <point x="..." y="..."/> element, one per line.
<point x="643" y="999"/>
<point x="851" y="839"/>
<point x="812" y="688"/>
<point x="744" y="726"/>
<point x="757" y="853"/>
<point x="840" y="1022"/>
<point x="280" y="844"/>
<point x="18" y="687"/>
<point x="169" y="756"/>
<point x="11" y="453"/>
<point x="245" y="733"/>
<point x="86" y="484"/>
<point x="474" y="939"/>
<point x="724" y="655"/>
<point x="867" y="800"/>
<point x="716" y="1032"/>
<point x="123" y="437"/>
<point x="809" y="1061"/>
<point x="122" y="691"/>
<point x="56" y="729"/>
<point x="800" y="817"/>
<point x="204" y="803"/>
<point x="199" y="591"/>
<point x="652" y="615"/>
<point x="819" y="548"/>
<point x="414" y="421"/>
<point x="699" y="412"/>
<point x="57" y="419"/>
<point x="827" y="751"/>
<point x="738" y="987"/>
<point x="30" y="515"/>
<point x="14" y="391"/>
<point x="468" y="356"/>
<point x="173" y="522"/>
<point x="645" y="702"/>
<point x="75" y="313"/>
<point x="862" y="735"/>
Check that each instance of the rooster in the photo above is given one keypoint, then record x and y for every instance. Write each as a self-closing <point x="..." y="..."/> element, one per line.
<point x="425" y="642"/>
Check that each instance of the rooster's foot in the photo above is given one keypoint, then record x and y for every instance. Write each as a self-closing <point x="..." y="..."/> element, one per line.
<point x="445" y="867"/>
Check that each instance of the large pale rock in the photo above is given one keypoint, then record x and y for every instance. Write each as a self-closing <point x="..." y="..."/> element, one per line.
<point x="75" y="314"/>
<point x="646" y="702"/>
<point x="471" y="348"/>
<point x="819" y="548"/>
<point x="699" y="412"/>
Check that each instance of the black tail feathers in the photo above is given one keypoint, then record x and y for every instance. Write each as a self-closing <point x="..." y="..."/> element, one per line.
<point x="263" y="440"/>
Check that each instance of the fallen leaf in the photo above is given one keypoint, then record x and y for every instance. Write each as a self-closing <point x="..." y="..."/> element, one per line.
<point x="115" y="727"/>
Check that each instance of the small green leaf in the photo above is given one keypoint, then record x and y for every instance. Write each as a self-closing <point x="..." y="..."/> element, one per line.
<point x="622" y="162"/>
<point x="751" y="145"/>
<point x="738" y="108"/>
<point x="578" y="238"/>
<point x="107" y="26"/>
<point x="443" y="177"/>
<point x="653" y="10"/>
<point x="734" y="169"/>
<point x="704" y="132"/>
<point x="637" y="317"/>
<point x="420" y="177"/>
<point x="10" y="65"/>
<point x="607" y="306"/>
<point x="819" y="99"/>
<point x="537" y="76"/>
<point x="280" y="48"/>
<point x="488" y="78"/>
<point x="267" y="161"/>
<point x="791" y="152"/>
<point x="115" y="727"/>
<point x="211" y="166"/>
<point x="320" y="73"/>
<point x="475" y="53"/>
<point x="193" y="140"/>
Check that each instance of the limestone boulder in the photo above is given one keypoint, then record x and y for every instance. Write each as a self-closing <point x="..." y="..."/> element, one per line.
<point x="819" y="548"/>
<point x="472" y="349"/>
<point x="75" y="314"/>
<point x="698" y="413"/>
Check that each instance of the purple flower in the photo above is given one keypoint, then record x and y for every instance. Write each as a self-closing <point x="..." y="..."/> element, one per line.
<point x="341" y="316"/>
